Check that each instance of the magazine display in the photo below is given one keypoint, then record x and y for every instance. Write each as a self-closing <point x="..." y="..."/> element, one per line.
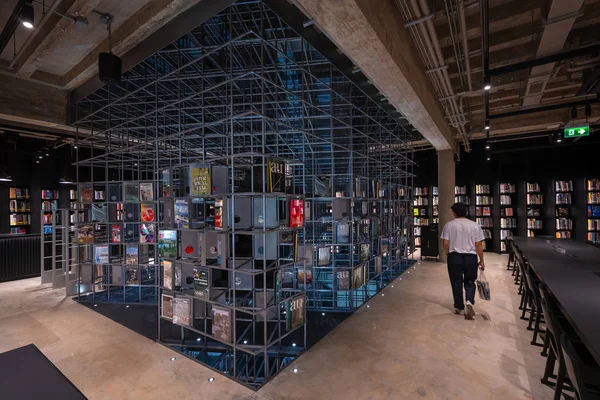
<point x="200" y="184"/>
<point x="165" y="181"/>
<point x="182" y="311"/>
<point x="378" y="265"/>
<point x="147" y="212"/>
<point x="296" y="213"/>
<point x="131" y="255"/>
<point x="168" y="275"/>
<point x="295" y="312"/>
<point x="146" y="192"/>
<point x="324" y="254"/>
<point x="99" y="213"/>
<point x="167" y="306"/>
<point x="131" y="276"/>
<point x="276" y="175"/>
<point x="201" y="283"/>
<point x="146" y="233"/>
<point x="182" y="219"/>
<point x="167" y="243"/>
<point x="359" y="276"/>
<point x="86" y="194"/>
<point x="304" y="277"/>
<point x="85" y="234"/>
<point x="101" y="255"/>
<point x="343" y="232"/>
<point x="343" y="279"/>
<point x="131" y="192"/>
<point x="221" y="324"/>
<point x="365" y="254"/>
<point x="115" y="233"/>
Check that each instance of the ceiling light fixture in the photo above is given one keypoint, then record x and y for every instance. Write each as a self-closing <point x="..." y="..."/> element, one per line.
<point x="487" y="145"/>
<point x="487" y="84"/>
<point x="4" y="177"/>
<point x="27" y="19"/>
<point x="65" y="180"/>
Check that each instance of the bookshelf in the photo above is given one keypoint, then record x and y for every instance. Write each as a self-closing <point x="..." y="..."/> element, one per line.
<point x="508" y="221"/>
<point x="19" y="211"/>
<point x="49" y="203"/>
<point x="461" y="195"/>
<point x="593" y="210"/>
<point x="563" y="213"/>
<point x="72" y="205"/>
<point x="535" y="203"/>
<point x="483" y="212"/>
<point x="420" y="212"/>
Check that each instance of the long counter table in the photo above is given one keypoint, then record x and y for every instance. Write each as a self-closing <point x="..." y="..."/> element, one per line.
<point x="571" y="271"/>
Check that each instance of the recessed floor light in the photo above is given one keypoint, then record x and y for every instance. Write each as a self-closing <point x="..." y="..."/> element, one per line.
<point x="173" y="358"/>
<point x="295" y="370"/>
<point x="211" y="379"/>
<point x="383" y="294"/>
<point x="368" y="306"/>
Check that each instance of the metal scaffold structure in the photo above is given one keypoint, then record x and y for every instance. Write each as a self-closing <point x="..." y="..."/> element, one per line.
<point x="308" y="203"/>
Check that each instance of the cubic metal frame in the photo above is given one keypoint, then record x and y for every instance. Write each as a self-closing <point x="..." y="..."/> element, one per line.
<point x="240" y="87"/>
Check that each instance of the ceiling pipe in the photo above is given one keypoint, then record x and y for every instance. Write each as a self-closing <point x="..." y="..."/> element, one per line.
<point x="465" y="42"/>
<point x="485" y="54"/>
<point x="546" y="108"/>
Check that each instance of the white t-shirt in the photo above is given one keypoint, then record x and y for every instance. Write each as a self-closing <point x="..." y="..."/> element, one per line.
<point x="462" y="234"/>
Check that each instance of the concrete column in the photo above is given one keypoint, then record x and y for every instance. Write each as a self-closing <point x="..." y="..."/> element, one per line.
<point x="446" y="185"/>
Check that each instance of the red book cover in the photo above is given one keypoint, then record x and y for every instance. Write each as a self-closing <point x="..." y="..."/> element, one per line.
<point x="115" y="233"/>
<point x="296" y="213"/>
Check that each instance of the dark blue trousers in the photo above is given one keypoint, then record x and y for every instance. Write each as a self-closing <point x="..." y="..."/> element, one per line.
<point x="462" y="269"/>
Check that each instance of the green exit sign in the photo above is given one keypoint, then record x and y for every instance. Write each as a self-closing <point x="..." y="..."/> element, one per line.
<point x="577" y="131"/>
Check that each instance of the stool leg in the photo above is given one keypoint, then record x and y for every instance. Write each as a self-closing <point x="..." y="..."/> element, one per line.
<point x="536" y="329"/>
<point x="525" y="302"/>
<point x="560" y="379"/>
<point x="546" y="344"/>
<point x="549" y="371"/>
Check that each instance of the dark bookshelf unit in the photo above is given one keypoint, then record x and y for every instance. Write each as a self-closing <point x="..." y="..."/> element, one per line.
<point x="563" y="210"/>
<point x="421" y="214"/>
<point x="507" y="203"/>
<point x="49" y="203"/>
<point x="435" y="212"/>
<point x="19" y="211"/>
<point x="483" y="214"/>
<point x="534" y="201"/>
<point x="593" y="210"/>
<point x="461" y="195"/>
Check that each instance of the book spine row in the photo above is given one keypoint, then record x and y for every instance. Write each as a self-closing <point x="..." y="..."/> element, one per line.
<point x="18" y="193"/>
<point x="593" y="198"/>
<point x="533" y="187"/>
<point x="563" y="198"/>
<point x="534" y="224"/>
<point x="564" y="223"/>
<point x="20" y="219"/>
<point x="594" y="237"/>
<point x="563" y="186"/>
<point x="421" y="191"/>
<point x="593" y="184"/>
<point x="460" y="190"/>
<point x="563" y="235"/>
<point x="505" y="200"/>
<point x="19" y="206"/>
<point x="484" y="200"/>
<point x="508" y="222"/>
<point x="421" y="201"/>
<point x="507" y="188"/>
<point x="420" y="221"/>
<point x="462" y="199"/>
<point x="485" y="222"/>
<point x="482" y="189"/>
<point x="49" y="194"/>
<point x="594" y="224"/>
<point x="537" y="199"/>
<point x="505" y="234"/>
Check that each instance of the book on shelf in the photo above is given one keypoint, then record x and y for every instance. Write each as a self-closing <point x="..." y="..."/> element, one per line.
<point x="131" y="254"/>
<point x="146" y="191"/>
<point x="167" y="243"/>
<point x="166" y="306"/>
<point x="18" y="193"/>
<point x="507" y="188"/>
<point x="295" y="312"/>
<point x="200" y="180"/>
<point x="49" y="194"/>
<point x="99" y="194"/>
<point x="435" y="190"/>
<point x="505" y="200"/>
<point x="131" y="192"/>
<point x="460" y="190"/>
<point x="20" y="219"/>
<point x="534" y="224"/>
<point x="594" y="237"/>
<point x="296" y="213"/>
<point x="563" y="198"/>
<point x="147" y="212"/>
<point x="182" y="311"/>
<point x="508" y="222"/>
<point x="85" y="234"/>
<point x="563" y="186"/>
<point x="593" y="224"/>
<point x="562" y="212"/>
<point x="101" y="255"/>
<point x="201" y="283"/>
<point x="535" y="199"/>
<point x="533" y="187"/>
<point x="421" y="191"/>
<point x="484" y="200"/>
<point x="167" y="269"/>
<point x="343" y="279"/>
<point x="593" y="185"/>
<point x="482" y="189"/>
<point x="563" y="235"/>
<point x="564" y="224"/>
<point x="485" y="222"/>
<point x="86" y="194"/>
<point x="593" y="198"/>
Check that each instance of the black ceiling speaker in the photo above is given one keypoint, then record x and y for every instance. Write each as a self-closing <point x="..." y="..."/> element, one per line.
<point x="109" y="67"/>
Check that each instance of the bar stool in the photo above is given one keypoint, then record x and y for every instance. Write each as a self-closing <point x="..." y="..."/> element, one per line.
<point x="581" y="368"/>
<point x="511" y="264"/>
<point x="524" y="291"/>
<point x="556" y="326"/>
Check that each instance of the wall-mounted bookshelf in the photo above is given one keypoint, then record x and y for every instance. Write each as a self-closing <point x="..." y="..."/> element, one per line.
<point x="483" y="212"/>
<point x="420" y="212"/>
<point x="461" y="195"/>
<point x="508" y="220"/>
<point x="535" y="202"/>
<point x="19" y="211"/>
<point x="593" y="210"/>
<point x="563" y="192"/>
<point x="72" y="205"/>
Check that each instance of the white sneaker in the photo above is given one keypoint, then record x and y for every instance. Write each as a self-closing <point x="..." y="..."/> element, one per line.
<point x="470" y="313"/>
<point x="459" y="312"/>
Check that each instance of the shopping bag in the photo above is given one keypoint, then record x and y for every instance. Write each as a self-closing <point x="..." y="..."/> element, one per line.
<point x="483" y="287"/>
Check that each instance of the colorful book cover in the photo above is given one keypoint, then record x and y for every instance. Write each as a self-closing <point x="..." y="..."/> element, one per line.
<point x="304" y="277"/>
<point x="86" y="194"/>
<point x="147" y="211"/>
<point x="131" y="255"/>
<point x="200" y="176"/>
<point x="115" y="233"/>
<point x="146" y="192"/>
<point x="221" y="324"/>
<point x="182" y="219"/>
<point x="101" y="255"/>
<point x="182" y="311"/>
<point x="365" y="252"/>
<point x="167" y="243"/>
<point x="131" y="276"/>
<point x="167" y="306"/>
<point x="146" y="233"/>
<point x="296" y="213"/>
<point x="166" y="183"/>
<point x="85" y="234"/>
<point x="343" y="279"/>
<point x="167" y="274"/>
<point x="295" y="312"/>
<point x="359" y="276"/>
<point x="201" y="283"/>
<point x="131" y="192"/>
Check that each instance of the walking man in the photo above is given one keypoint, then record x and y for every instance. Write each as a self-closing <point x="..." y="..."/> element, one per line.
<point x="463" y="242"/>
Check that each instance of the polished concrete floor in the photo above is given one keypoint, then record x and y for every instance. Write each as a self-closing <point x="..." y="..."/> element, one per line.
<point x="406" y="345"/>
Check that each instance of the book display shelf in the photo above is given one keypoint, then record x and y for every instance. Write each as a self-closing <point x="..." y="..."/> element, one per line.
<point x="461" y="195"/>
<point x="593" y="210"/>
<point x="534" y="212"/>
<point x="49" y="203"/>
<point x="19" y="211"/>
<point x="116" y="252"/>
<point x="508" y="220"/>
<point x="563" y="193"/>
<point x="420" y="212"/>
<point x="483" y="212"/>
